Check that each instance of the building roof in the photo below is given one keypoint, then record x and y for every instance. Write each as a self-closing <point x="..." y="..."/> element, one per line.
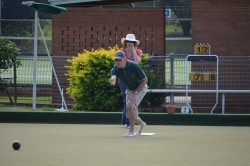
<point x="79" y="3"/>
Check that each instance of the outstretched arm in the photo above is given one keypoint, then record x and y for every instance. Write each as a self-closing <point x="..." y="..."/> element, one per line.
<point x="112" y="80"/>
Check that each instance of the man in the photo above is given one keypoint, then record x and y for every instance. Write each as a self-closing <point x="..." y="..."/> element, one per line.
<point x="135" y="81"/>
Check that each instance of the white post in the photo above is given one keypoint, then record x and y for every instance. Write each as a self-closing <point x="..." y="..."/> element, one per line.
<point x="53" y="68"/>
<point x="35" y="61"/>
<point x="62" y="108"/>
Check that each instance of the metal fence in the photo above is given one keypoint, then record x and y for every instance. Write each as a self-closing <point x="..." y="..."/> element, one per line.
<point x="18" y="26"/>
<point x="178" y="23"/>
<point x="231" y="76"/>
<point x="233" y="82"/>
<point x="21" y="92"/>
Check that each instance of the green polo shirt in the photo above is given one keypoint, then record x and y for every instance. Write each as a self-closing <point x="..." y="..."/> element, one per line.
<point x="130" y="76"/>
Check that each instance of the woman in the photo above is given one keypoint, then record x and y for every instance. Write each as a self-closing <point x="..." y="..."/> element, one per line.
<point x="132" y="53"/>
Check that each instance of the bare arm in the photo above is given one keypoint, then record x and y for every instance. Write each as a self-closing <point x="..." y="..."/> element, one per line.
<point x="138" y="89"/>
<point x="137" y="59"/>
<point x="131" y="49"/>
<point x="142" y="84"/>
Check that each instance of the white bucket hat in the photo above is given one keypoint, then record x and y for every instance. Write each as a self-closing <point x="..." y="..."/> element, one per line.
<point x="130" y="37"/>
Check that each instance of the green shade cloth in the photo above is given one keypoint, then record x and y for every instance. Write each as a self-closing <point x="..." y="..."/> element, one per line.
<point x="49" y="8"/>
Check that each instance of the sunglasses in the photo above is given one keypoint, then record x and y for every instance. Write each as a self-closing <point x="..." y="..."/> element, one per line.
<point x="127" y="41"/>
<point x="118" y="60"/>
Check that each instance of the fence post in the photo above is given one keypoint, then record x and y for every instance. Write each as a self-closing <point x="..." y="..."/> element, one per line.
<point x="15" y="76"/>
<point x="171" y="77"/>
<point x="35" y="61"/>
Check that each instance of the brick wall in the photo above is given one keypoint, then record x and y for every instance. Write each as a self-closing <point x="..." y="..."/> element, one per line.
<point x="224" y="24"/>
<point x="87" y="28"/>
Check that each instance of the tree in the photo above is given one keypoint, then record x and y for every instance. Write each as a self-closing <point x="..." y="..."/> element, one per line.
<point x="8" y="54"/>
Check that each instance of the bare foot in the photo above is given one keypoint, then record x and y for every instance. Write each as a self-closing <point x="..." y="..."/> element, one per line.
<point x="141" y="128"/>
<point x="129" y="134"/>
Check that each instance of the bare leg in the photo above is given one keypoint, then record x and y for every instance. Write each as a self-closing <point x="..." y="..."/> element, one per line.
<point x="132" y="119"/>
<point x="141" y="123"/>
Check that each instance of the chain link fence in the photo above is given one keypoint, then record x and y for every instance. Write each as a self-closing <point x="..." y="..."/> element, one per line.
<point x="17" y="24"/>
<point x="178" y="24"/>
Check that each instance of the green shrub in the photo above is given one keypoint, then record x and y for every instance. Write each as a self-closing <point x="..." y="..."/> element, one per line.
<point x="8" y="54"/>
<point x="88" y="77"/>
<point x="156" y="80"/>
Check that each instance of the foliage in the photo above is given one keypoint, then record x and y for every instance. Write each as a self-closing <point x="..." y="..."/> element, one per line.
<point x="156" y="80"/>
<point x="88" y="76"/>
<point x="8" y="54"/>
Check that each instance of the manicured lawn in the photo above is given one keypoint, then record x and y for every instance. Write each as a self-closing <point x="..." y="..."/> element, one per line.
<point x="102" y="145"/>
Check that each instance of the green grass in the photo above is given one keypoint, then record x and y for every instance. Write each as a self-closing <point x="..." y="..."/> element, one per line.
<point x="39" y="100"/>
<point x="179" y="72"/>
<point x="5" y="107"/>
<point x="25" y="72"/>
<point x="103" y="145"/>
<point x="11" y="108"/>
<point x="173" y="28"/>
<point x="44" y="72"/>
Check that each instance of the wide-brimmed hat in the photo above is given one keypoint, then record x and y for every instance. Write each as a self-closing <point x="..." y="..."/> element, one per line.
<point x="130" y="37"/>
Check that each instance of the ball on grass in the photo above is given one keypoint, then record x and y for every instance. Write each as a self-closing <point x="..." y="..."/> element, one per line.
<point x="16" y="145"/>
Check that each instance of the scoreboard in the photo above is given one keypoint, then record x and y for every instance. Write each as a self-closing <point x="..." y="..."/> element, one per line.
<point x="202" y="76"/>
